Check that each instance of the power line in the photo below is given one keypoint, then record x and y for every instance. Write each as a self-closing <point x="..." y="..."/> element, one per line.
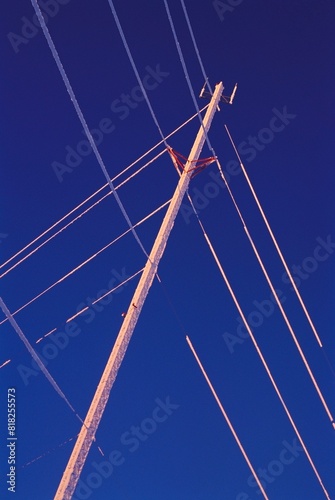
<point x="83" y="121"/>
<point x="274" y="240"/>
<point x="77" y="217"/>
<point x="60" y="280"/>
<point x="52" y="227"/>
<point x="132" y="62"/>
<point x="46" y="453"/>
<point x="277" y="299"/>
<point x="32" y="252"/>
<point x="195" y="45"/>
<point x="36" y="358"/>
<point x="182" y="60"/>
<point x="98" y="191"/>
<point x="187" y="76"/>
<point x="163" y="141"/>
<point x="78" y="313"/>
<point x="259" y="352"/>
<point x="258" y="481"/>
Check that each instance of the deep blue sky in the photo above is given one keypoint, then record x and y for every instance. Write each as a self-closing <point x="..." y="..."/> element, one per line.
<point x="281" y="54"/>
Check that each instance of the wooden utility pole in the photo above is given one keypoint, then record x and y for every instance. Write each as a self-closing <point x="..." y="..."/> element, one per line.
<point x="86" y="436"/>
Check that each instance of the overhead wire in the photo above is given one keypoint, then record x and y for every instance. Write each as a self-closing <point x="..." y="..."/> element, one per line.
<point x="59" y="231"/>
<point x="5" y="363"/>
<point x="46" y="453"/>
<point x="274" y="240"/>
<point x="78" y="313"/>
<point x="132" y="62"/>
<point x="89" y="259"/>
<point x="56" y="448"/>
<point x="278" y="301"/>
<point x="224" y="413"/>
<point x="164" y="139"/>
<point x="52" y="227"/>
<point x="196" y="46"/>
<point x="225" y="278"/>
<point x="75" y="218"/>
<point x="83" y="121"/>
<point x="39" y="362"/>
<point x="259" y="352"/>
<point x="237" y="208"/>
<point x="307" y="315"/>
<point x="187" y="77"/>
<point x="104" y="186"/>
<point x="37" y="359"/>
<point x="82" y="310"/>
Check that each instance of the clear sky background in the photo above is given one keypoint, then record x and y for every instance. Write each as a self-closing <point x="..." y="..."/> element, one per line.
<point x="281" y="54"/>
